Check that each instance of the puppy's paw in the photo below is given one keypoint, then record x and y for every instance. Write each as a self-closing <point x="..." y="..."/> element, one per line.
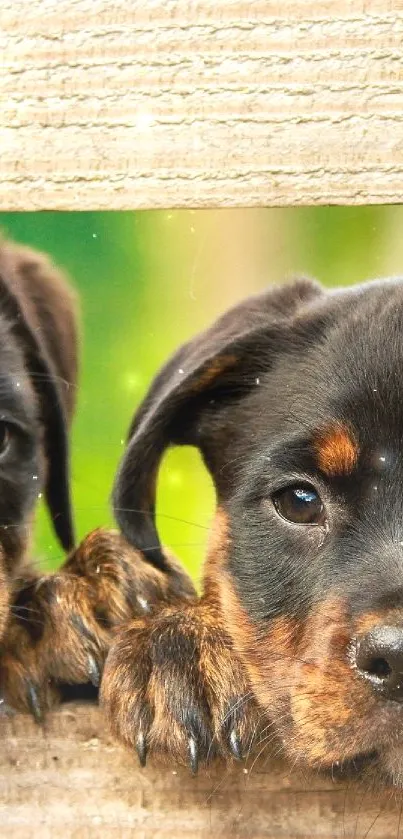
<point x="62" y="625"/>
<point x="173" y="685"/>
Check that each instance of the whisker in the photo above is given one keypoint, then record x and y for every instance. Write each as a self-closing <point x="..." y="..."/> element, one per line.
<point x="239" y="703"/>
<point x="399" y="822"/>
<point x="46" y="378"/>
<point x="381" y="809"/>
<point x="161" y="515"/>
<point x="361" y="802"/>
<point x="17" y="609"/>
<point x="29" y="620"/>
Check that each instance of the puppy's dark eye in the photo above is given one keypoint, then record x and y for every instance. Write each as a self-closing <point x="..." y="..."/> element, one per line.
<point x="299" y="504"/>
<point x="5" y="437"/>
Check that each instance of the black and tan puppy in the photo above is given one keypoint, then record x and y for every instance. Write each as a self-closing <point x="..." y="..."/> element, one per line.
<point x="295" y="399"/>
<point x="54" y="629"/>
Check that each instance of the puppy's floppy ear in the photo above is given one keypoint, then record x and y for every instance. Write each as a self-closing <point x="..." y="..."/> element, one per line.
<point x="218" y="364"/>
<point x="41" y="308"/>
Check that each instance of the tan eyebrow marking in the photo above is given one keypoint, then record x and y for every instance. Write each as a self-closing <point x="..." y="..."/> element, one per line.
<point x="337" y="451"/>
<point x="217" y="366"/>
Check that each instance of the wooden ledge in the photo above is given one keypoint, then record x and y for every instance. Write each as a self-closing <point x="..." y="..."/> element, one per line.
<point x="70" y="779"/>
<point x="133" y="105"/>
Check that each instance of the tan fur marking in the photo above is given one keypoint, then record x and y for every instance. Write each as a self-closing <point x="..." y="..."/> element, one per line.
<point x="301" y="675"/>
<point x="219" y="365"/>
<point x="337" y="451"/>
<point x="217" y="551"/>
<point x="370" y="620"/>
<point x="4" y="595"/>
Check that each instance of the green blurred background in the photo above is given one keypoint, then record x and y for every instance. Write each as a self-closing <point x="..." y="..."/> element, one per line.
<point x="147" y="282"/>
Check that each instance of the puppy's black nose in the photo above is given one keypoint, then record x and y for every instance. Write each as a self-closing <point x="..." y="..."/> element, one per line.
<point x="379" y="659"/>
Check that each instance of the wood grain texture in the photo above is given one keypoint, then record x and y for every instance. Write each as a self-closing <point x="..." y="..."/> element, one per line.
<point x="163" y="103"/>
<point x="70" y="780"/>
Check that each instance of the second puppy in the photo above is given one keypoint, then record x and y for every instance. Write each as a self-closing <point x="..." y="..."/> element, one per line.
<point x="55" y="629"/>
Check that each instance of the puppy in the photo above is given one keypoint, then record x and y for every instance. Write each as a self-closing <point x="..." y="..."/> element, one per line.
<point x="294" y="399"/>
<point x="54" y="629"/>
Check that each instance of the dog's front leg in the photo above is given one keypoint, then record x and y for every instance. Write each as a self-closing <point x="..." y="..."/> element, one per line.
<point x="61" y="625"/>
<point x="172" y="684"/>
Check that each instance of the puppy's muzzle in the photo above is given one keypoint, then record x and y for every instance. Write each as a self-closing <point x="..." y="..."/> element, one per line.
<point x="378" y="658"/>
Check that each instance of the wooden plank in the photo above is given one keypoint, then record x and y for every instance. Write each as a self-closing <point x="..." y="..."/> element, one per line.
<point x="71" y="780"/>
<point x="163" y="103"/>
